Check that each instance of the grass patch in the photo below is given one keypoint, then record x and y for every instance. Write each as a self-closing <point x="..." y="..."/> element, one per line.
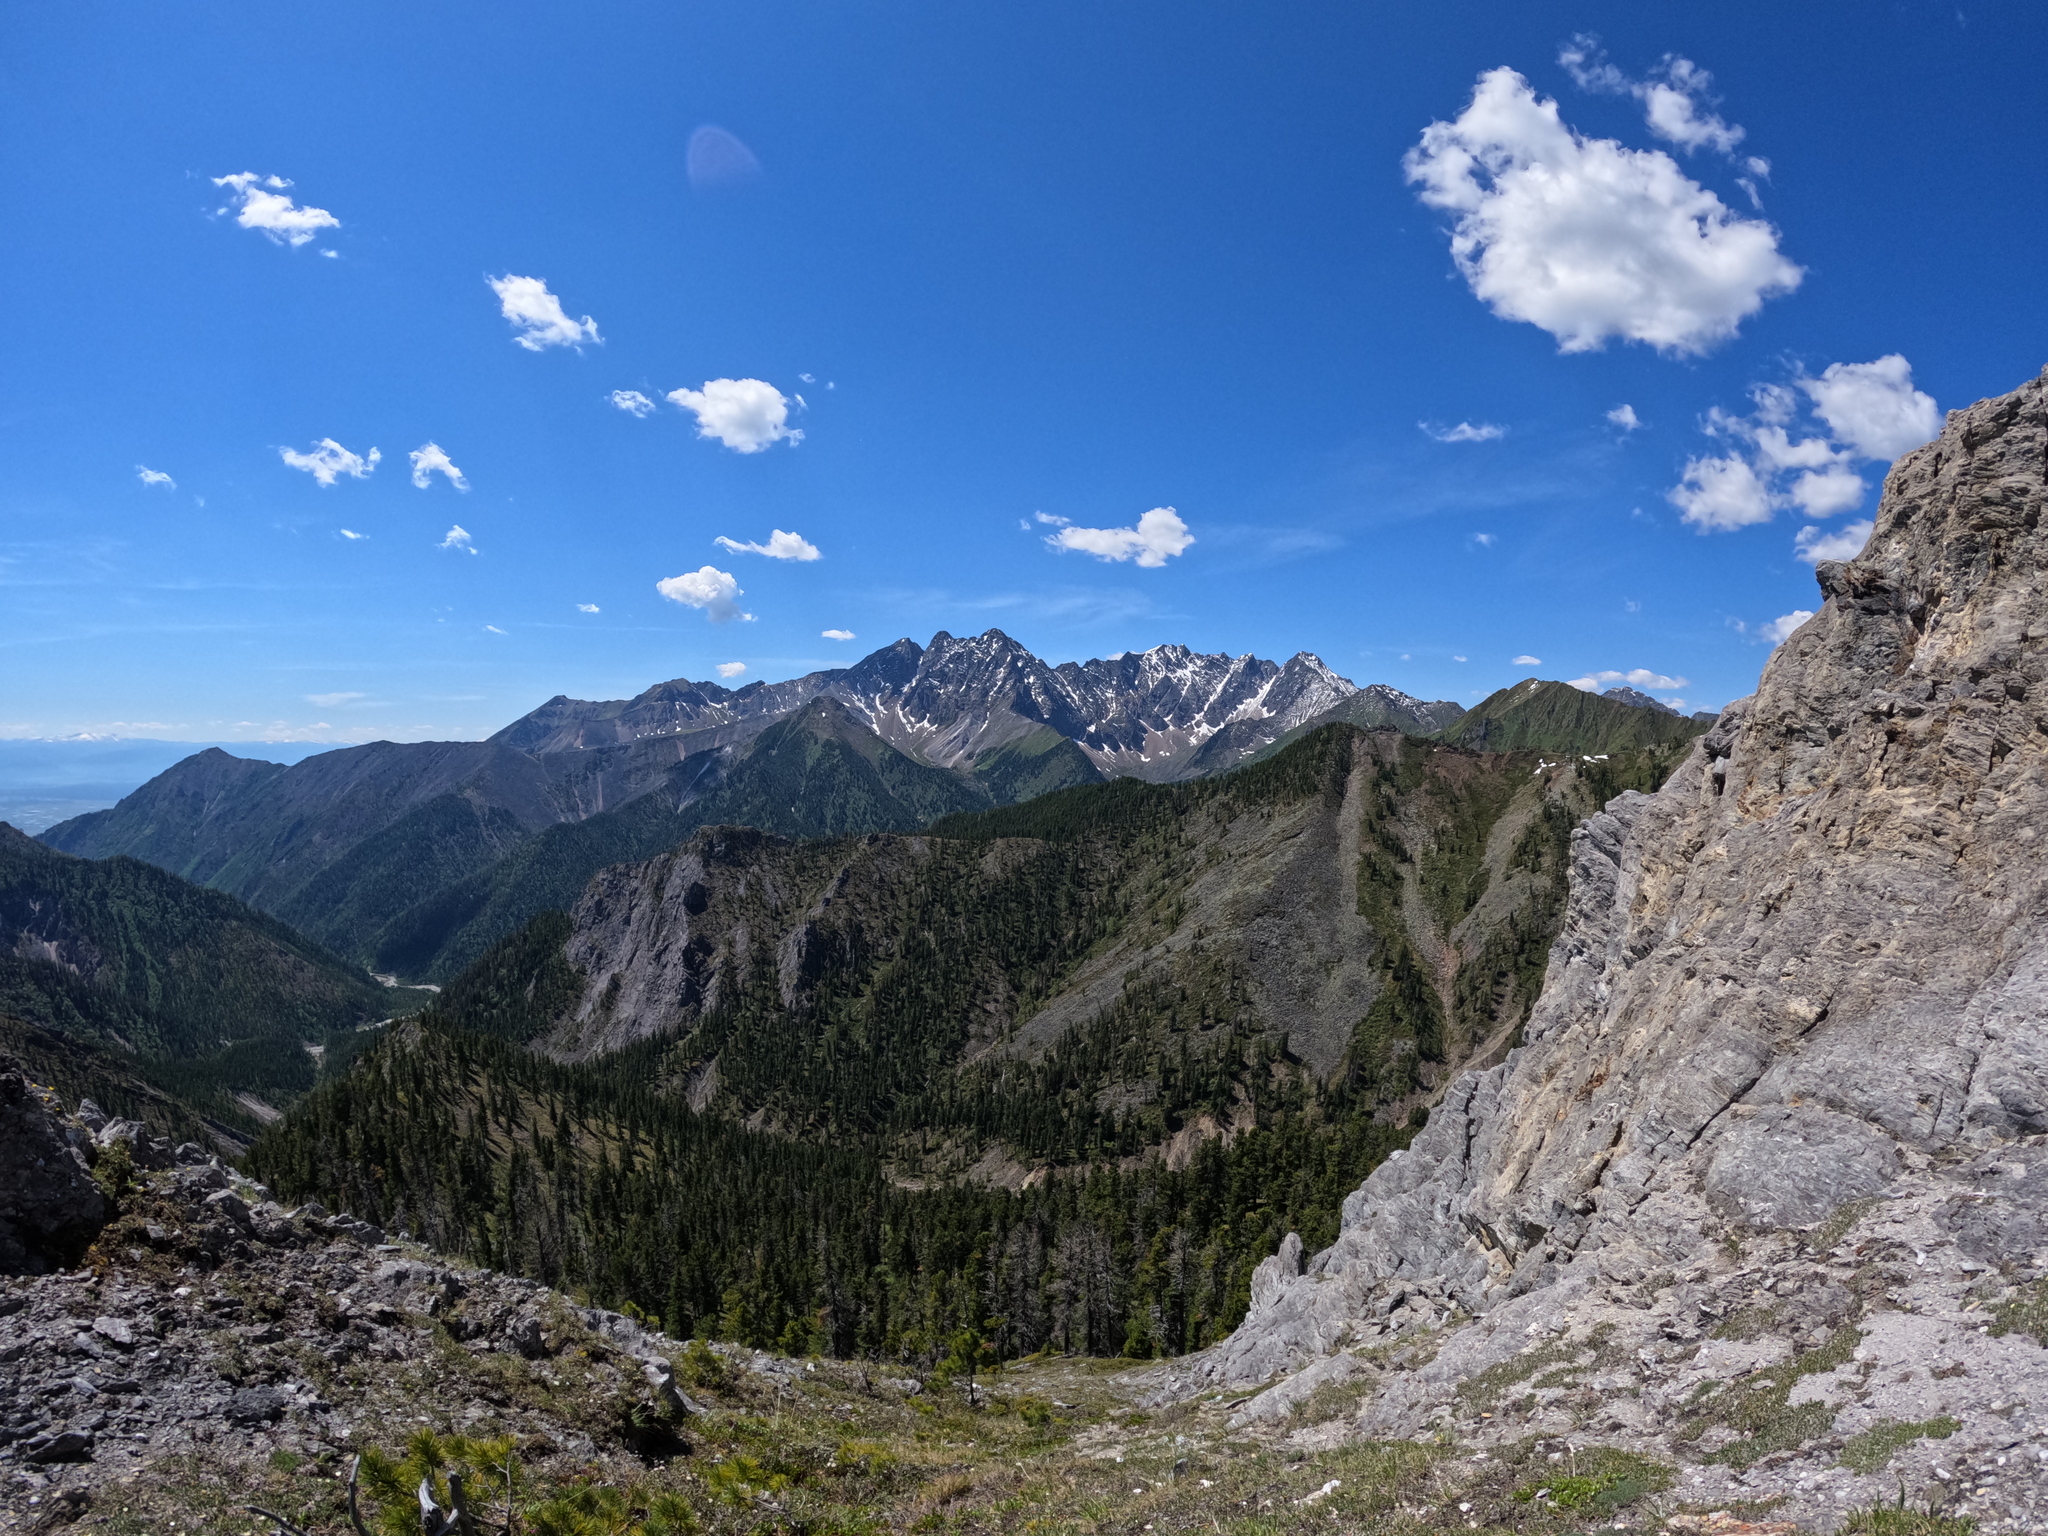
<point x="1485" y="1389"/>
<point x="1869" y="1451"/>
<point x="1760" y="1408"/>
<point x="1748" y="1324"/>
<point x="1599" y="1480"/>
<point x="1837" y="1226"/>
<point x="2025" y="1313"/>
<point x="1899" y="1520"/>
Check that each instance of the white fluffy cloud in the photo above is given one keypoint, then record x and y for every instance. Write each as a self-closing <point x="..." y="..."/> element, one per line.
<point x="150" y="476"/>
<point x="1674" y="98"/>
<point x="1159" y="535"/>
<point x="351" y="535"/>
<point x="458" y="537"/>
<point x="1814" y="545"/>
<point x="1864" y="411"/>
<point x="1720" y="492"/>
<point x="632" y="402"/>
<point x="746" y="415"/>
<point x="1465" y="432"/>
<point x="708" y="588"/>
<point x="586" y="608"/>
<point x="538" y="315"/>
<point x="329" y="461"/>
<point x="1780" y="628"/>
<point x="780" y="546"/>
<point x="493" y="629"/>
<point x="265" y="206"/>
<point x="731" y="668"/>
<point x="429" y="460"/>
<point x="1587" y="238"/>
<point x="837" y="634"/>
<point x="1638" y="677"/>
<point x="1625" y="417"/>
<point x="1873" y="407"/>
<point x="1527" y="661"/>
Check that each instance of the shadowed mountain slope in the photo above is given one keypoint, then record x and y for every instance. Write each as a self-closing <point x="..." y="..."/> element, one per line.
<point x="194" y="991"/>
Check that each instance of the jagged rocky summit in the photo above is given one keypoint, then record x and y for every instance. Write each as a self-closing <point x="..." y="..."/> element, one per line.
<point x="1146" y="714"/>
<point x="1764" y="1193"/>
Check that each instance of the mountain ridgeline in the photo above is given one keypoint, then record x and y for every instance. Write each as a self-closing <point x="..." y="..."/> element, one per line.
<point x="411" y="859"/>
<point x="1076" y="1064"/>
<point x="401" y="856"/>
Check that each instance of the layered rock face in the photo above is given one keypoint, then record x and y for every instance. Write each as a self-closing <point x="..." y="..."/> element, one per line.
<point x="1780" y="1108"/>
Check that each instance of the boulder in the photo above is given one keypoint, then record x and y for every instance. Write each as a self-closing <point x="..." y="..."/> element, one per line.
<point x="49" y="1204"/>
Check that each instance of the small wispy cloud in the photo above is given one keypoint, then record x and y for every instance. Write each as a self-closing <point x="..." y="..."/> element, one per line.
<point x="1779" y="630"/>
<point x="458" y="538"/>
<point x="329" y="461"/>
<point x="780" y="546"/>
<point x="632" y="402"/>
<point x="1813" y="544"/>
<point x="351" y="534"/>
<point x="333" y="700"/>
<point x="1527" y="661"/>
<point x="493" y="629"/>
<point x="1464" y="432"/>
<point x="731" y="668"/>
<point x="837" y="634"/>
<point x="1676" y="98"/>
<point x="538" y="316"/>
<point x="265" y="207"/>
<point x="429" y="460"/>
<point x="150" y="476"/>
<point x="1637" y="677"/>
<point x="1625" y="417"/>
<point x="1485" y="540"/>
<point x="1157" y="537"/>
<point x="586" y="608"/>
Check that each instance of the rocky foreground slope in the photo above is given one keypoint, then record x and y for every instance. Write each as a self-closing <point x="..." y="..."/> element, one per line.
<point x="1765" y="1192"/>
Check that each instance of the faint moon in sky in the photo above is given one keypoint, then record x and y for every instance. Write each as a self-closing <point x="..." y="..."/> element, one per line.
<point x="717" y="159"/>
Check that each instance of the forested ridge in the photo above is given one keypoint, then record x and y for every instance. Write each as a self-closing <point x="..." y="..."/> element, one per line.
<point x="816" y="1200"/>
<point x="183" y="988"/>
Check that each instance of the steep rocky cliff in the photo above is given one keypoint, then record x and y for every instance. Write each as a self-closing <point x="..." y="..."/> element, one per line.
<point x="1765" y="1192"/>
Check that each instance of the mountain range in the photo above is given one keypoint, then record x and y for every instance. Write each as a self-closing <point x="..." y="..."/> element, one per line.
<point x="411" y="858"/>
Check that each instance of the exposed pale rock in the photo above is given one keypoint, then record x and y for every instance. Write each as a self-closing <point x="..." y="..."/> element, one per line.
<point x="1804" y="986"/>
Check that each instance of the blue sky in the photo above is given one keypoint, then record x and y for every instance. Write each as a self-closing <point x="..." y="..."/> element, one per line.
<point x="1000" y="266"/>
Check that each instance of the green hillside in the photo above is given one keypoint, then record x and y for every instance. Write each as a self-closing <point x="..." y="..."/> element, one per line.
<point x="1076" y="1064"/>
<point x="195" y="992"/>
<point x="1539" y="716"/>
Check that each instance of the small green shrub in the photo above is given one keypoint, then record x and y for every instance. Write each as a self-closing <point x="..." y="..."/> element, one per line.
<point x="1599" y="1479"/>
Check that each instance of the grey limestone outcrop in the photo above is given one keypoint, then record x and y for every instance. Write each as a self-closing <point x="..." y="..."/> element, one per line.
<point x="1782" y="1106"/>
